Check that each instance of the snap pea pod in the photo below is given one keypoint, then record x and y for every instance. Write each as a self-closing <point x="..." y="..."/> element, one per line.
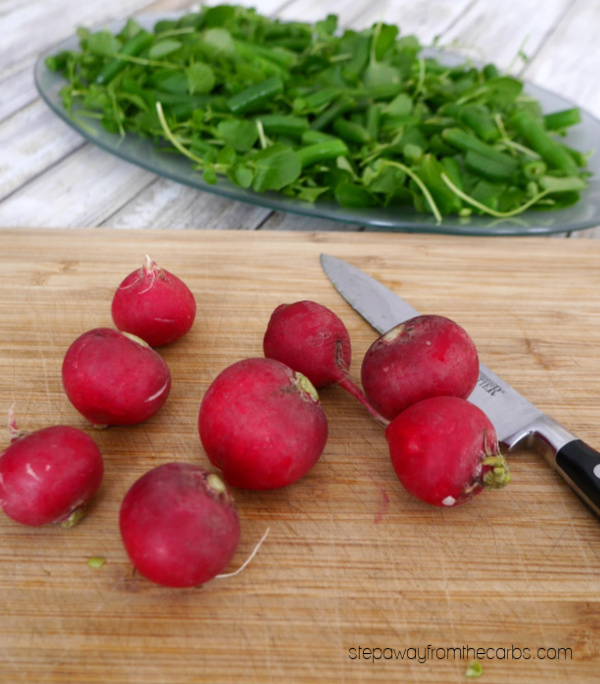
<point x="312" y="137"/>
<point x="481" y="152"/>
<point x="277" y="124"/>
<point x="336" y="109"/>
<point x="478" y="119"/>
<point x="284" y="59"/>
<point x="551" y="151"/>
<point x="316" y="101"/>
<point x="489" y="167"/>
<point x="322" y="152"/>
<point x="351" y="132"/>
<point x="534" y="169"/>
<point x="556" y="121"/>
<point x="255" y="96"/>
<point x="465" y="141"/>
<point x="430" y="172"/>
<point x="136" y="45"/>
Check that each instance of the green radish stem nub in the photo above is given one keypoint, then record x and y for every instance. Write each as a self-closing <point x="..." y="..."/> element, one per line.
<point x="135" y="338"/>
<point x="215" y="483"/>
<point x="306" y="386"/>
<point x="499" y="474"/>
<point x="74" y="517"/>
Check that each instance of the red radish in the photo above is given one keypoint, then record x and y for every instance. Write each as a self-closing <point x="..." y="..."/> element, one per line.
<point x="114" y="378"/>
<point x="423" y="357"/>
<point x="49" y="475"/>
<point x="445" y="451"/>
<point x="179" y="525"/>
<point x="313" y="340"/>
<point x="262" y="424"/>
<point x="154" y="304"/>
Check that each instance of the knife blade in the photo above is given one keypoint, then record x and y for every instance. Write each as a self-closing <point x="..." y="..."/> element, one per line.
<point x="515" y="418"/>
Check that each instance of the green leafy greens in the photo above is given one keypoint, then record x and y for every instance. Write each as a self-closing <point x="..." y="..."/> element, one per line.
<point x="359" y="117"/>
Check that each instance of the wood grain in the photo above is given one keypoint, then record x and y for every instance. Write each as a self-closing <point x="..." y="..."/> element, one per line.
<point x="351" y="560"/>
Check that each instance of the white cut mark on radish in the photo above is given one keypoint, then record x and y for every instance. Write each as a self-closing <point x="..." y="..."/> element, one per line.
<point x="31" y="472"/>
<point x="449" y="501"/>
<point x="157" y="394"/>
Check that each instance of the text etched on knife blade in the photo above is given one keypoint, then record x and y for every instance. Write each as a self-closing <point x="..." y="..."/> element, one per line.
<point x="488" y="385"/>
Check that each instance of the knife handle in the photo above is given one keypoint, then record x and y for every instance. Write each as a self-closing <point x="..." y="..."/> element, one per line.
<point x="579" y="465"/>
<point x="573" y="459"/>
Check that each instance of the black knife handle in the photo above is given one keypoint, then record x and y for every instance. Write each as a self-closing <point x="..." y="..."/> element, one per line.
<point x="579" y="464"/>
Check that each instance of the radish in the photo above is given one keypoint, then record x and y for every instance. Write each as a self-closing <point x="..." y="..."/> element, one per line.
<point x="179" y="525"/>
<point x="49" y="475"/>
<point x="444" y="451"/>
<point x="313" y="340"/>
<point x="423" y="357"/>
<point x="153" y="304"/>
<point x="114" y="378"/>
<point x="262" y="424"/>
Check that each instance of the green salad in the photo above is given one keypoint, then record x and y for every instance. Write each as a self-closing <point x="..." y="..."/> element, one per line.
<point x="363" y="118"/>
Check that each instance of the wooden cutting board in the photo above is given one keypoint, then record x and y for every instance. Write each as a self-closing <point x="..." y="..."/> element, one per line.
<point x="356" y="581"/>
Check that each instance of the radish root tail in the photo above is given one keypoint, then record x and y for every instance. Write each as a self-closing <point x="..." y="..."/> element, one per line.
<point x="350" y="386"/>
<point x="248" y="560"/>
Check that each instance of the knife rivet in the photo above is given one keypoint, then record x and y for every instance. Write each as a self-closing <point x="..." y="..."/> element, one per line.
<point x="596" y="471"/>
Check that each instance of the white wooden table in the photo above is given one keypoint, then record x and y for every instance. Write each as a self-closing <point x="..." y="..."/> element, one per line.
<point x="50" y="177"/>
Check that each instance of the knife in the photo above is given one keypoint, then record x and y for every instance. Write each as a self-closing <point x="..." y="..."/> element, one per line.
<point x="516" y="420"/>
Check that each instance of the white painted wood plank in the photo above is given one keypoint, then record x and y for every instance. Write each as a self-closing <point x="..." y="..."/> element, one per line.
<point x="426" y="20"/>
<point x="96" y="197"/>
<point x="18" y="91"/>
<point x="172" y="206"/>
<point x="268" y="8"/>
<point x="33" y="27"/>
<point x="286" y="221"/>
<point x="569" y="62"/>
<point x="315" y="10"/>
<point x="33" y="140"/>
<point x="497" y="32"/>
<point x="81" y="190"/>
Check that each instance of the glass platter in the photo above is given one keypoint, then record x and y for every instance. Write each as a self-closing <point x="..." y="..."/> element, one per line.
<point x="584" y="137"/>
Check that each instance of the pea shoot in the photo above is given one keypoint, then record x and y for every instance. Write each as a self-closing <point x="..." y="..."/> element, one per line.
<point x="358" y="117"/>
